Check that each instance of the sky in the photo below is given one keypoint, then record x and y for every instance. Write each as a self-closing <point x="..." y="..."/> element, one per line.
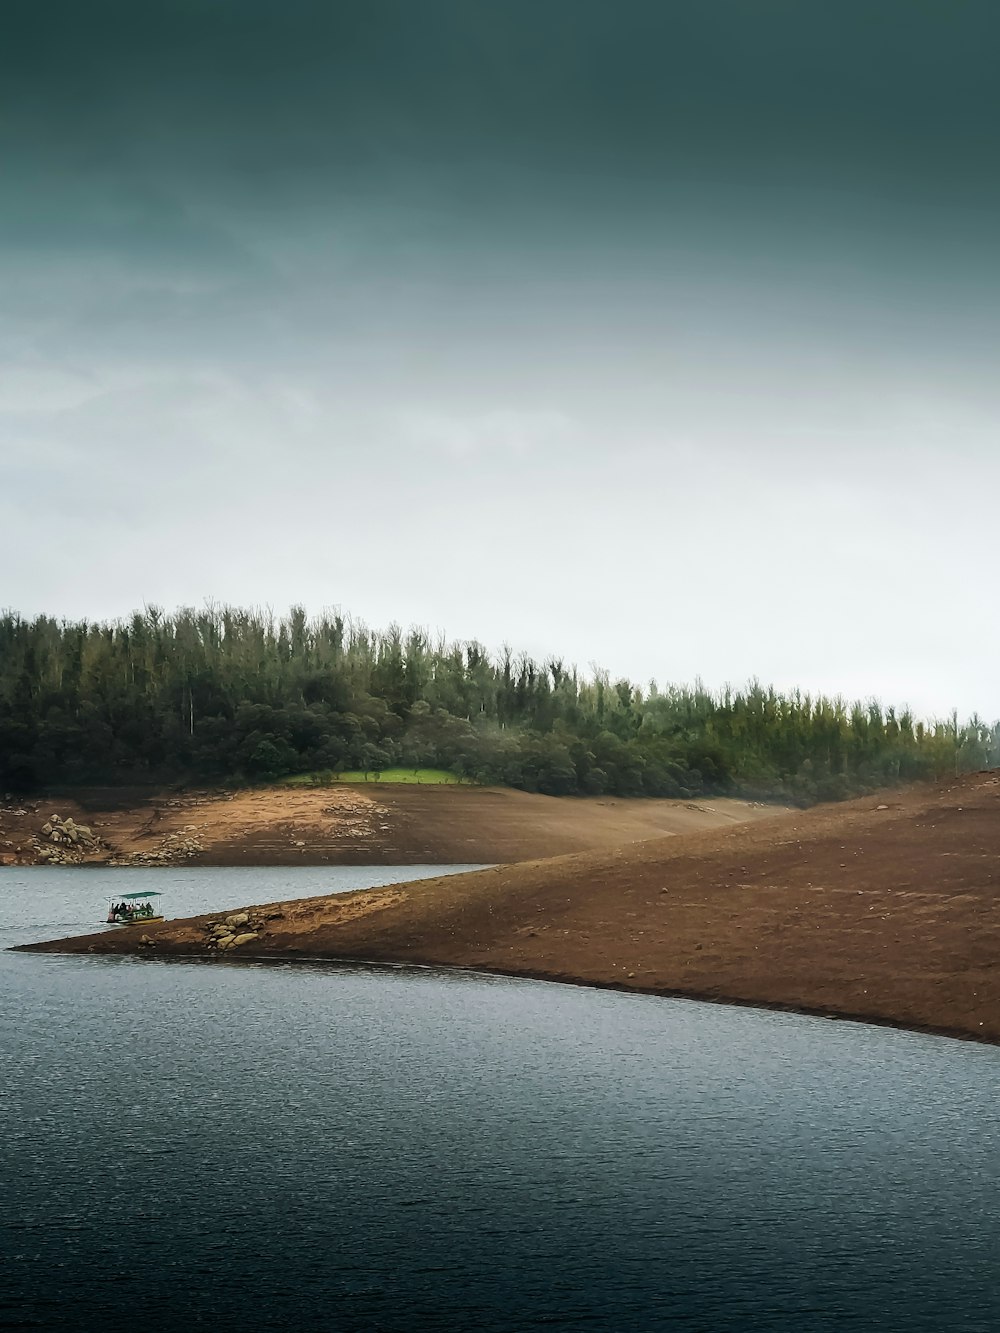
<point x="658" y="336"/>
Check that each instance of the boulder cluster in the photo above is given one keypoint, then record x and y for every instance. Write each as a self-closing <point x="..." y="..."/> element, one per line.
<point x="238" y="928"/>
<point x="171" y="848"/>
<point x="355" y="820"/>
<point x="64" y="842"/>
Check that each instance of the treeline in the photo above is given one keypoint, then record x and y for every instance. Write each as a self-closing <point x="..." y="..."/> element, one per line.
<point x="225" y="694"/>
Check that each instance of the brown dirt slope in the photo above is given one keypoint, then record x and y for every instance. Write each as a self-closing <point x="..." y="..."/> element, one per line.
<point x="367" y="824"/>
<point x="880" y="909"/>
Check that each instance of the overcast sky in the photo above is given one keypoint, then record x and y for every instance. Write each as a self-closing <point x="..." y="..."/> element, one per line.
<point x="658" y="335"/>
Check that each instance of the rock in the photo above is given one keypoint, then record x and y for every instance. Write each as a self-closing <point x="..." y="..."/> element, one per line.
<point x="145" y="940"/>
<point x="238" y="919"/>
<point x="245" y="938"/>
<point x="226" y="942"/>
<point x="46" y="828"/>
<point x="881" y="807"/>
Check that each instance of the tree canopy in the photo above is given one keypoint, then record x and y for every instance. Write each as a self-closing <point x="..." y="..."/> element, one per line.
<point x="229" y="694"/>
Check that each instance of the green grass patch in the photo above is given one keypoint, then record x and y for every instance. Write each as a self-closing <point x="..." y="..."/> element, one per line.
<point x="426" y="776"/>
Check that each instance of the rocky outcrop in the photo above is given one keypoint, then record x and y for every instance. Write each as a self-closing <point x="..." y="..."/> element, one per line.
<point x="64" y="842"/>
<point x="170" y="849"/>
<point x="355" y="820"/>
<point x="239" y="928"/>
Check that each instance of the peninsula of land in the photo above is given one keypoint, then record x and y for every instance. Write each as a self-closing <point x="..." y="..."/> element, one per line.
<point x="884" y="909"/>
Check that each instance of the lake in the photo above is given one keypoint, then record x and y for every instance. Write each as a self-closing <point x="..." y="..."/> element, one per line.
<point x="304" y="1146"/>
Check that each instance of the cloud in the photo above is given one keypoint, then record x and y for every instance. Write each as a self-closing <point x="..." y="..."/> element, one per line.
<point x="519" y="433"/>
<point x="689" y="306"/>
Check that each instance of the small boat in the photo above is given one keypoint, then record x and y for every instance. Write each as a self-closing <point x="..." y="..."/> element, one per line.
<point x="129" y="909"/>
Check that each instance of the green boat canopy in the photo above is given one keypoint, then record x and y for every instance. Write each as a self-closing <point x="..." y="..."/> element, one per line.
<point x="136" y="897"/>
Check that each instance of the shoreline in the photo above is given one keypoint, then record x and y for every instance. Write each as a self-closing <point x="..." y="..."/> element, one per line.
<point x="882" y="911"/>
<point x="581" y="983"/>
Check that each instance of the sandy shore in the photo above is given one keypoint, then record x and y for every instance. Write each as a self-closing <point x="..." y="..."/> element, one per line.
<point x="885" y="910"/>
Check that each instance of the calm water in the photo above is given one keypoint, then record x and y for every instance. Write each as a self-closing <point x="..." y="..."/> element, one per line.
<point x="225" y="1145"/>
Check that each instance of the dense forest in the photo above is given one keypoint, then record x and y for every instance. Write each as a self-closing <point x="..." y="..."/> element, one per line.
<point x="229" y="695"/>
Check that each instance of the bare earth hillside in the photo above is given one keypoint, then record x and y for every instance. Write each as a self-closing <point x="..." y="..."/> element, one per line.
<point x="367" y="824"/>
<point x="880" y="909"/>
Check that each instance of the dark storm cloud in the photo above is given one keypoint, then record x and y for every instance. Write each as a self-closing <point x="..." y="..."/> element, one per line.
<point x="241" y="152"/>
<point x="895" y="95"/>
